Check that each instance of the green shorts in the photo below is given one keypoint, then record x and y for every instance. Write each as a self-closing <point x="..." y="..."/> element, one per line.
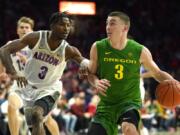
<point x="108" y="116"/>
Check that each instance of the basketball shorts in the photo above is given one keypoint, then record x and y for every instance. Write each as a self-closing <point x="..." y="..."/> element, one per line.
<point x="110" y="116"/>
<point x="46" y="97"/>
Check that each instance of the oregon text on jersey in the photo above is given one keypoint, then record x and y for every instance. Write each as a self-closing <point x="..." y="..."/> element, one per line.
<point x="120" y="60"/>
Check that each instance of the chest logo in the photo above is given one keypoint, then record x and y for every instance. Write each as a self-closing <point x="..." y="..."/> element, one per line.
<point x="108" y="53"/>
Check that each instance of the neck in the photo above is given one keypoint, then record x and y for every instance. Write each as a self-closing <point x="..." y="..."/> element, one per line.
<point x="53" y="41"/>
<point x="119" y="43"/>
<point x="53" y="38"/>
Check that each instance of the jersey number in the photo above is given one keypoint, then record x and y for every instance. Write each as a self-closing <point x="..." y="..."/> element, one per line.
<point x="119" y="71"/>
<point x="43" y="72"/>
<point x="20" y="65"/>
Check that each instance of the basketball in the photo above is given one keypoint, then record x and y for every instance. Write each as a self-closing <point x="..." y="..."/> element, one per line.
<point x="168" y="93"/>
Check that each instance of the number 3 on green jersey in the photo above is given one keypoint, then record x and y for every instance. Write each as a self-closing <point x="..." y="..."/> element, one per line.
<point x="119" y="72"/>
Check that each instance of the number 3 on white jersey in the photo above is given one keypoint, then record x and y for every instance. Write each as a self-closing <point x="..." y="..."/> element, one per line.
<point x="43" y="72"/>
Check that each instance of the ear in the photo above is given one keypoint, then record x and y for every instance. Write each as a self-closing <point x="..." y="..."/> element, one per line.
<point x="126" y="28"/>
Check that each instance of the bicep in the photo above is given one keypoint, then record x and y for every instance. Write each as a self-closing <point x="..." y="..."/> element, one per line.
<point x="148" y="62"/>
<point x="19" y="44"/>
<point x="93" y="59"/>
<point x="13" y="46"/>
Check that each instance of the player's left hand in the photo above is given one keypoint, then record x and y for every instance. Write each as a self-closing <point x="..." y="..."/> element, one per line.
<point x="102" y="86"/>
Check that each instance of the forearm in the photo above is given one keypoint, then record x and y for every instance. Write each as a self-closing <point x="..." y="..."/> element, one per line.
<point x="161" y="76"/>
<point x="92" y="79"/>
<point x="7" y="62"/>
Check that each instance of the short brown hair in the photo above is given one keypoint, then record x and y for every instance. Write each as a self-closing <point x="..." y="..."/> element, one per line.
<point x="122" y="16"/>
<point x="25" y="19"/>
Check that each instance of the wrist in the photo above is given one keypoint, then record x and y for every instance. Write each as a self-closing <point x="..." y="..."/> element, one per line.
<point x="96" y="82"/>
<point x="84" y="63"/>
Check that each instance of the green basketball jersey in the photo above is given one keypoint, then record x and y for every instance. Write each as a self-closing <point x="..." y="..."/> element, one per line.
<point x="122" y="69"/>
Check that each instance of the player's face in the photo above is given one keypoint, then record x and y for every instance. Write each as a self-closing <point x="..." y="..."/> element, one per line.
<point x="23" y="28"/>
<point x="62" y="28"/>
<point x="115" y="27"/>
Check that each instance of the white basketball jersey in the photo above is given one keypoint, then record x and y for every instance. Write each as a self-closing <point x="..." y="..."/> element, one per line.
<point x="142" y="89"/>
<point x="45" y="67"/>
<point x="17" y="63"/>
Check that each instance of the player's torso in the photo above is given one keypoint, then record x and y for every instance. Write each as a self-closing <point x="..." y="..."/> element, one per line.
<point x="122" y="68"/>
<point x="45" y="66"/>
<point x="18" y="63"/>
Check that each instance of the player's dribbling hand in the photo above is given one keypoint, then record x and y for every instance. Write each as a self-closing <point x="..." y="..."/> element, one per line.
<point x="21" y="80"/>
<point x="102" y="85"/>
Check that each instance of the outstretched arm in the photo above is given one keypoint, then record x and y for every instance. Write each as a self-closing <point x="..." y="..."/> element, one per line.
<point x="151" y="66"/>
<point x="12" y="47"/>
<point x="5" y="52"/>
<point x="74" y="54"/>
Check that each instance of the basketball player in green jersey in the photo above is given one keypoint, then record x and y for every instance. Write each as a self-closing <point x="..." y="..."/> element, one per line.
<point x="117" y="59"/>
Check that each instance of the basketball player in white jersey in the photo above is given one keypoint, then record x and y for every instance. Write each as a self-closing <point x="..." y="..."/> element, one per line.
<point x="143" y="130"/>
<point x="50" y="51"/>
<point x="24" y="25"/>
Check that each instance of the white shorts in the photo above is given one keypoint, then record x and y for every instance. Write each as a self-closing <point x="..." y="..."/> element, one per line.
<point x="31" y="94"/>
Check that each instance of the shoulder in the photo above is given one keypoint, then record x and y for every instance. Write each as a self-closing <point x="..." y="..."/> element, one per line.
<point x="101" y="44"/>
<point x="102" y="41"/>
<point x="135" y="43"/>
<point x="145" y="55"/>
<point x="146" y="51"/>
<point x="135" y="46"/>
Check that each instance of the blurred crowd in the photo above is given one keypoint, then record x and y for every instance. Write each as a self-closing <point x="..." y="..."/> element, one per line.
<point x="154" y="23"/>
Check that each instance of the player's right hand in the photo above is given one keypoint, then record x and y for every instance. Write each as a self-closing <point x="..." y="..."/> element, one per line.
<point x="21" y="80"/>
<point x="83" y="72"/>
<point x="102" y="85"/>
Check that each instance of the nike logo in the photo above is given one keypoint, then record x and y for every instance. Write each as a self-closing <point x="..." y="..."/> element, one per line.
<point x="108" y="52"/>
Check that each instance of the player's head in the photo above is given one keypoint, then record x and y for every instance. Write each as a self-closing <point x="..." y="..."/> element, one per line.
<point x="117" y="23"/>
<point x="24" y="26"/>
<point x="60" y="24"/>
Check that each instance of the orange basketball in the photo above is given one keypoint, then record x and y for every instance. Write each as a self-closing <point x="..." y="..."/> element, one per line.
<point x="168" y="93"/>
